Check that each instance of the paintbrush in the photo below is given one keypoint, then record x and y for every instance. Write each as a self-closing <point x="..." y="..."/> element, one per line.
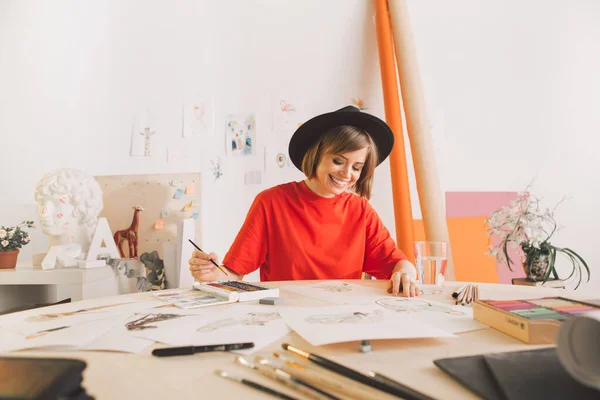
<point x="254" y="385"/>
<point x="211" y="260"/>
<point x="343" y="386"/>
<point x="402" y="392"/>
<point x="283" y="377"/>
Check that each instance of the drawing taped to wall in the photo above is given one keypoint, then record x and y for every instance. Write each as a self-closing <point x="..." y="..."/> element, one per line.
<point x="198" y="117"/>
<point x="360" y="103"/>
<point x="240" y="135"/>
<point x="215" y="168"/>
<point x="284" y="112"/>
<point x="143" y="134"/>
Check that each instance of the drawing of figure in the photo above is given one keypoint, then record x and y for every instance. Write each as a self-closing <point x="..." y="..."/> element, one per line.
<point x="145" y="320"/>
<point x="416" y="305"/>
<point x="336" y="288"/>
<point x="256" y="319"/>
<point x="356" y="317"/>
<point x="215" y="166"/>
<point x="197" y="124"/>
<point x="50" y="317"/>
<point x="360" y="103"/>
<point x="260" y="319"/>
<point x="147" y="134"/>
<point x="286" y="107"/>
<point x="222" y="323"/>
<point x="240" y="135"/>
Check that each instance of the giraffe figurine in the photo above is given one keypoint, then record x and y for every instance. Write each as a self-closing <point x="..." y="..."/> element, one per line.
<point x="130" y="234"/>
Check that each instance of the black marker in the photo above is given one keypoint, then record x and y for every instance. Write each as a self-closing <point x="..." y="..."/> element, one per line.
<point x="188" y="350"/>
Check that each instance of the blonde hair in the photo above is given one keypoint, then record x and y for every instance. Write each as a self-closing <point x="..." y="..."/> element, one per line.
<point x="343" y="139"/>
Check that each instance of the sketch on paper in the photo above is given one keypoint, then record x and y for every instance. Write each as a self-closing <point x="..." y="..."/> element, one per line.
<point x="197" y="118"/>
<point x="360" y="103"/>
<point x="240" y="135"/>
<point x="45" y="332"/>
<point x="283" y="113"/>
<point x="281" y="159"/>
<point x="356" y="317"/>
<point x="50" y="317"/>
<point x="416" y="305"/>
<point x="336" y="287"/>
<point x="215" y="167"/>
<point x="343" y="323"/>
<point x="255" y="319"/>
<point x="146" y="319"/>
<point x="147" y="134"/>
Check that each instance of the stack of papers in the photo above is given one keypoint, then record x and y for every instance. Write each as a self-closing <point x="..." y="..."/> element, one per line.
<point x="125" y="325"/>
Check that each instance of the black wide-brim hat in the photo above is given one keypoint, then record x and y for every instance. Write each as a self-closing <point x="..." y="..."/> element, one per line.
<point x="310" y="131"/>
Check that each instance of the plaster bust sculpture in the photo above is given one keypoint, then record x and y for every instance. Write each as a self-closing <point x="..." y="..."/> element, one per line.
<point x="69" y="202"/>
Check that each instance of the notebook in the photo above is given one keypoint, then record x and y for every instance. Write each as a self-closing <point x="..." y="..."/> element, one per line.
<point x="26" y="378"/>
<point x="215" y="293"/>
<point x="529" y="374"/>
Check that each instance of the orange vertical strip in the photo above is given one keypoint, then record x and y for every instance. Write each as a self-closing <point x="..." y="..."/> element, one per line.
<point x="398" y="167"/>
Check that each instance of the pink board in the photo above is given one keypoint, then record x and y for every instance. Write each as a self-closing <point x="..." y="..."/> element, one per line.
<point x="478" y="204"/>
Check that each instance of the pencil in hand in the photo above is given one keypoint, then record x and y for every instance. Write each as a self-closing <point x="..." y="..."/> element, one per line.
<point x="211" y="260"/>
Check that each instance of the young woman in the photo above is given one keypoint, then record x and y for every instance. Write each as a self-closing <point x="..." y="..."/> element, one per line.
<point x="322" y="227"/>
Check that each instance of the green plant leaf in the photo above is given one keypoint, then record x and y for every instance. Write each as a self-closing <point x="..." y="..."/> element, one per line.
<point x="505" y="250"/>
<point x="580" y="262"/>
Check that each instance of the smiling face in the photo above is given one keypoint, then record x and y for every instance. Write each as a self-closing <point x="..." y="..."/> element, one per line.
<point x="337" y="173"/>
<point x="55" y="214"/>
<point x="342" y="159"/>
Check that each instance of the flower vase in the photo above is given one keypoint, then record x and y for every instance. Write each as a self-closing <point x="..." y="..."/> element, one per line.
<point x="8" y="259"/>
<point x="536" y="266"/>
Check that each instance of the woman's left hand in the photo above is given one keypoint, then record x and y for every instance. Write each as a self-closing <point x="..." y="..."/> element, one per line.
<point x="401" y="283"/>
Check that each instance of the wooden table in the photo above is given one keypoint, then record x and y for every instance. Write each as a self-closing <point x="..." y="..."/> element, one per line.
<point x="143" y="376"/>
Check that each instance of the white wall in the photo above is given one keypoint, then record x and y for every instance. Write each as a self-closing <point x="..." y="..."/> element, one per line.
<point x="511" y="86"/>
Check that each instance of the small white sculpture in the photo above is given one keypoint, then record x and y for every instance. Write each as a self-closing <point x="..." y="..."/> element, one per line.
<point x="69" y="202"/>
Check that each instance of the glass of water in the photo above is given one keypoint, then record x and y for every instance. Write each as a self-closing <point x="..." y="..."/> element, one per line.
<point x="431" y="259"/>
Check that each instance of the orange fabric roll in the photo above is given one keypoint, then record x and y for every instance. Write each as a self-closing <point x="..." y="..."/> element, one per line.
<point x="398" y="166"/>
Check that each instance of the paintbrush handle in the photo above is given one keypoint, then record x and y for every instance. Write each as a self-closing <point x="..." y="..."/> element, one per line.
<point x="290" y="382"/>
<point x="323" y="378"/>
<point x="265" y="389"/>
<point x="210" y="259"/>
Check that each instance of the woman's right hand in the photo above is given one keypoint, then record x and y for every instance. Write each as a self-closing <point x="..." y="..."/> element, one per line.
<point x="202" y="269"/>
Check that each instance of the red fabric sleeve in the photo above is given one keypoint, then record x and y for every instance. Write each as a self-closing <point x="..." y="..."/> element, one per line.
<point x="249" y="249"/>
<point x="381" y="253"/>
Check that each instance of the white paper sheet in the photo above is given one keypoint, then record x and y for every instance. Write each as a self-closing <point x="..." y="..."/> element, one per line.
<point x="338" y="292"/>
<point x="239" y="323"/>
<point x="344" y="323"/>
<point x="118" y="339"/>
<point x="450" y="318"/>
<point x="69" y="338"/>
<point x="42" y="319"/>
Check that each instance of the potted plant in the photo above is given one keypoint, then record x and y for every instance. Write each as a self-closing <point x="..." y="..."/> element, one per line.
<point x="11" y="241"/>
<point x="527" y="226"/>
